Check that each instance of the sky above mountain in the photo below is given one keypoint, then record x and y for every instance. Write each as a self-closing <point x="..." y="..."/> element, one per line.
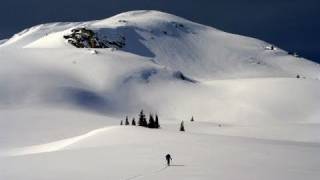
<point x="290" y="24"/>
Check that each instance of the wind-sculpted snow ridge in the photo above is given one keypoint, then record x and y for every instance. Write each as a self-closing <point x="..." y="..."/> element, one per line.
<point x="51" y="147"/>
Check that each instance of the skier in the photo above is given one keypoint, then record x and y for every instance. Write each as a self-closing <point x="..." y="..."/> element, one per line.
<point x="168" y="158"/>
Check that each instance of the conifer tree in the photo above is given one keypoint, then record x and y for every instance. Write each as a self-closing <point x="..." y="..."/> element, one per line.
<point x="145" y="122"/>
<point x="182" y="126"/>
<point x="192" y="119"/>
<point x="127" y="121"/>
<point x="133" y="123"/>
<point x="156" y="124"/>
<point x="121" y="123"/>
<point x="151" y="123"/>
<point x="142" y="119"/>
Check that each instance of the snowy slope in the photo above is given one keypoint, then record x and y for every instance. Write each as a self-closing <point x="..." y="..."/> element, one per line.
<point x="3" y="41"/>
<point x="61" y="105"/>
<point x="134" y="153"/>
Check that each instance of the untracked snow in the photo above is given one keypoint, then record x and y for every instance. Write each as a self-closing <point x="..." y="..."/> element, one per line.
<point x="3" y="41"/>
<point x="256" y="107"/>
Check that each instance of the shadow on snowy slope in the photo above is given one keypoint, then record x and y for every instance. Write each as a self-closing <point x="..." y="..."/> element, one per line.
<point x="149" y="74"/>
<point x="82" y="98"/>
<point x="133" y="40"/>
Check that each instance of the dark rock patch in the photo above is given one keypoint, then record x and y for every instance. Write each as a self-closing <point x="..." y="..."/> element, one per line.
<point x="87" y="38"/>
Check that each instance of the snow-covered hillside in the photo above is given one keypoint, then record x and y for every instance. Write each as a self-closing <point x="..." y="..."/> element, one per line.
<point x="256" y="106"/>
<point x="3" y="41"/>
<point x="199" y="51"/>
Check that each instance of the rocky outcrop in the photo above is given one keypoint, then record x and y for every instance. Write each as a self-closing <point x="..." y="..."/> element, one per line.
<point x="87" y="38"/>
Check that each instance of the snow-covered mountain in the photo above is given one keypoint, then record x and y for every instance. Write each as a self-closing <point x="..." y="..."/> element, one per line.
<point x="176" y="43"/>
<point x="243" y="92"/>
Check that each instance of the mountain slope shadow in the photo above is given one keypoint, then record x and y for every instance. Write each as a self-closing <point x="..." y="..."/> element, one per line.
<point x="85" y="99"/>
<point x="133" y="40"/>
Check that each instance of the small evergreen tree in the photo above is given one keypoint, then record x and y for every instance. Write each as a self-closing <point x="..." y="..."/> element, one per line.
<point x="182" y="126"/>
<point x="133" y="123"/>
<point x="151" y="123"/>
<point x="127" y="121"/>
<point x="121" y="123"/>
<point x="156" y="124"/>
<point x="142" y="119"/>
<point x="145" y="122"/>
<point x="192" y="119"/>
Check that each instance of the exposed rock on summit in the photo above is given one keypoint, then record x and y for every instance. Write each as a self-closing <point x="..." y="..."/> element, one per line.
<point x="87" y="38"/>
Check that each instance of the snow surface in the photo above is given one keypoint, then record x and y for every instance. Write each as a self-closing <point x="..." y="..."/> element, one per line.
<point x="60" y="106"/>
<point x="3" y="41"/>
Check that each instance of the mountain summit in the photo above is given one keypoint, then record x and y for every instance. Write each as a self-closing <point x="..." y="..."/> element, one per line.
<point x="198" y="51"/>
